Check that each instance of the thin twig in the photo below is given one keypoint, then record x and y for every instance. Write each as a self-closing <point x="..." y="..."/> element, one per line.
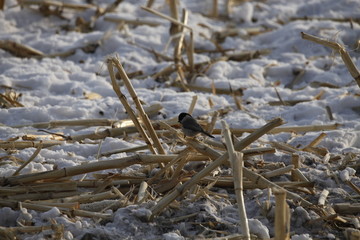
<point x="131" y="21"/>
<point x="295" y="129"/>
<point x="144" y="117"/>
<point x="86" y="168"/>
<point x="33" y="156"/>
<point x="193" y="103"/>
<point x="282" y="219"/>
<point x="236" y="159"/>
<point x="27" y="144"/>
<point x="57" y="4"/>
<point x="166" y="17"/>
<point x="219" y="159"/>
<point x="174" y="28"/>
<point x="354" y="71"/>
<point x="129" y="110"/>
<point x="322" y="198"/>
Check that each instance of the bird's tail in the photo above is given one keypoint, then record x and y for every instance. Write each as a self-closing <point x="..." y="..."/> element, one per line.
<point x="208" y="134"/>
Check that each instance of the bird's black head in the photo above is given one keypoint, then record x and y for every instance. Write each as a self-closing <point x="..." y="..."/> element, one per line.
<point x="182" y="115"/>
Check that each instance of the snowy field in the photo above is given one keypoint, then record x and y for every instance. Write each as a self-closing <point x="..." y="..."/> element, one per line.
<point x="64" y="78"/>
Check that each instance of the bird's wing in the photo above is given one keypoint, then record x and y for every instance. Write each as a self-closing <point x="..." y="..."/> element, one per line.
<point x="192" y="124"/>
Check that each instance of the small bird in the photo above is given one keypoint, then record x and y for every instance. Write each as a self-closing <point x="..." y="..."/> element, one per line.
<point x="190" y="127"/>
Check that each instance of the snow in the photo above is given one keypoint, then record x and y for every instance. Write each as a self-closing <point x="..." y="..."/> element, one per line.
<point x="55" y="88"/>
<point x="172" y="236"/>
<point x="301" y="237"/>
<point x="258" y="228"/>
<point x="347" y="173"/>
<point x="53" y="213"/>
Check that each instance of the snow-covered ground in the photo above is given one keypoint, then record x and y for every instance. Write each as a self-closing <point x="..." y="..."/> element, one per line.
<point x="63" y="88"/>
